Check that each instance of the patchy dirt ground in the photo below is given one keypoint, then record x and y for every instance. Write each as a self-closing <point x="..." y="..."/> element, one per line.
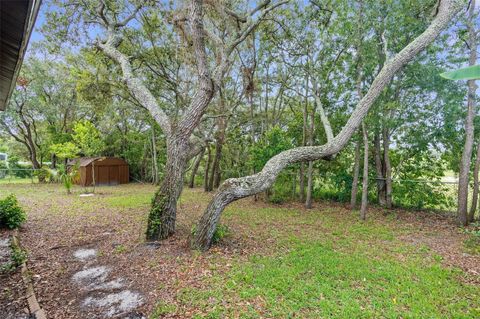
<point x="90" y="260"/>
<point x="12" y="302"/>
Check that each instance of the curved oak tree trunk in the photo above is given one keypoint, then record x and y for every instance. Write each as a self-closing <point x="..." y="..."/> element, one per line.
<point x="161" y="220"/>
<point x="237" y="188"/>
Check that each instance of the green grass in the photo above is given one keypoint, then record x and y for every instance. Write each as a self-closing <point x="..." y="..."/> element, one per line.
<point x="319" y="263"/>
<point x="317" y="281"/>
<point x="346" y="269"/>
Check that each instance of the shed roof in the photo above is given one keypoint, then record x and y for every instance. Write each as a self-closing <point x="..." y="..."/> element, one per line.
<point x="85" y="161"/>
<point x="17" y="18"/>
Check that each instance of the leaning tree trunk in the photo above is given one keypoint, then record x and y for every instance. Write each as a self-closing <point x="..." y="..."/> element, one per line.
<point x="363" y="207"/>
<point x="476" y="169"/>
<point x="161" y="220"/>
<point x="463" y="177"/>
<point x="236" y="188"/>
<point x="356" y="173"/>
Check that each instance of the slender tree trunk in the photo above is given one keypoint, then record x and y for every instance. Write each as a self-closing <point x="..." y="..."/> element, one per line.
<point x="220" y="140"/>
<point x="308" y="201"/>
<point x="207" y="169"/>
<point x="388" y="168"/>
<point x="363" y="207"/>
<point x="473" y="208"/>
<point x="161" y="220"/>
<point x="381" y="195"/>
<point x="154" y="157"/>
<point x="195" y="168"/>
<point x="54" y="161"/>
<point x="236" y="188"/>
<point x="304" y="141"/>
<point x="301" y="181"/>
<point x="356" y="173"/>
<point x="218" y="156"/>
<point x="463" y="177"/>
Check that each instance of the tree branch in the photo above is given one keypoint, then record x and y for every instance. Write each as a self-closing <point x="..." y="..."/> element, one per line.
<point x="236" y="188"/>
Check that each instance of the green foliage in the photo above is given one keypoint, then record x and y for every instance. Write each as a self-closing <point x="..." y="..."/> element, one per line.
<point x="17" y="256"/>
<point x="220" y="233"/>
<point x="87" y="137"/>
<point x="12" y="214"/>
<point x="67" y="150"/>
<point x="43" y="174"/>
<point x="273" y="142"/>
<point x="67" y="176"/>
<point x="467" y="73"/>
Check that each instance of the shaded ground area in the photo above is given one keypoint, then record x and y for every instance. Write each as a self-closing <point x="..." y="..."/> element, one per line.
<point x="13" y="305"/>
<point x="278" y="262"/>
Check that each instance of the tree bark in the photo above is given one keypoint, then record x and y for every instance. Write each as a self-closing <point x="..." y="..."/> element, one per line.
<point x="388" y="168"/>
<point x="463" y="176"/>
<point x="308" y="200"/>
<point x="476" y="169"/>
<point x="304" y="141"/>
<point x="161" y="220"/>
<point x="301" y="182"/>
<point x="363" y="206"/>
<point x="356" y="173"/>
<point x="154" y="157"/>
<point x="219" y="141"/>
<point x="236" y="188"/>
<point x="207" y="170"/>
<point x="195" y="168"/>
<point x="381" y="194"/>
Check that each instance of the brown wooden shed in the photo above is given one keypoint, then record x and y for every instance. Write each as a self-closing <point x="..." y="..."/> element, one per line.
<point x="102" y="170"/>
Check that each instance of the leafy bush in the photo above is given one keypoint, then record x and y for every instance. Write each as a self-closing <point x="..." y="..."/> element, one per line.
<point x="11" y="214"/>
<point x="43" y="174"/>
<point x="67" y="175"/>
<point x="221" y="232"/>
<point x="18" y="257"/>
<point x="276" y="199"/>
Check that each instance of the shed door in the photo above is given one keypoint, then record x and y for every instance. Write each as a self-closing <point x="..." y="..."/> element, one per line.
<point x="103" y="173"/>
<point x="114" y="175"/>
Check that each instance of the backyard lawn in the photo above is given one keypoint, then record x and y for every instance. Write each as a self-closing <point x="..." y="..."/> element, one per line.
<point x="275" y="261"/>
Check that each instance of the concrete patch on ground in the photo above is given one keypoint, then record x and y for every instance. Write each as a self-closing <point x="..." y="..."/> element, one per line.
<point x="113" y="284"/>
<point x="90" y="275"/>
<point x="105" y="295"/>
<point x="115" y="303"/>
<point x="85" y="254"/>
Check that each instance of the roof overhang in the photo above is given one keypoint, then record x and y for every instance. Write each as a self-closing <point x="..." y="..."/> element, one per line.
<point x="17" y="18"/>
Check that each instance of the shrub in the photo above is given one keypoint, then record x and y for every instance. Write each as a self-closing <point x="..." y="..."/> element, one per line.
<point x="43" y="174"/>
<point x="276" y="199"/>
<point x="221" y="232"/>
<point x="67" y="176"/>
<point x="11" y="214"/>
<point x="18" y="257"/>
